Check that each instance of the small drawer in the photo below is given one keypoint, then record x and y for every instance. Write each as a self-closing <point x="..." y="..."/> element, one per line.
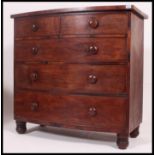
<point x="72" y="77"/>
<point x="84" y="112"/>
<point x="36" y="26"/>
<point x="73" y="50"/>
<point x="104" y="23"/>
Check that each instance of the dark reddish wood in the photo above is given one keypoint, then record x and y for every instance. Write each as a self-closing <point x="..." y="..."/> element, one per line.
<point x="34" y="76"/>
<point x="73" y="50"/>
<point x="80" y="69"/>
<point x="41" y="125"/>
<point x="92" y="50"/>
<point x="20" y="127"/>
<point x="114" y="23"/>
<point x="92" y="79"/>
<point x="122" y="141"/>
<point x="107" y="9"/>
<point x="34" y="50"/>
<point x="92" y="111"/>
<point x="134" y="133"/>
<point x="136" y="72"/>
<point x="93" y="22"/>
<point x="36" y="26"/>
<point x="34" y="106"/>
<point x="72" y="77"/>
<point x="109" y="113"/>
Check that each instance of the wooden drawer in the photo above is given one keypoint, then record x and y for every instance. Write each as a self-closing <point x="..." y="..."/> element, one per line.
<point x="36" y="26"/>
<point x="104" y="23"/>
<point x="92" y="112"/>
<point x="72" y="77"/>
<point x="72" y="50"/>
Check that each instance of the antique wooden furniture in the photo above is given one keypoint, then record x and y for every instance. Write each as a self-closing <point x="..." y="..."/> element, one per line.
<point x="80" y="68"/>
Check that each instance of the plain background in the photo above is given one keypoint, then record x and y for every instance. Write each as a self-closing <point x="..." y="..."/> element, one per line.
<point x="50" y="139"/>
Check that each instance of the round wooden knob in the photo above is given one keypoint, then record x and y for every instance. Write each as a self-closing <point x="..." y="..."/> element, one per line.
<point x="34" y="76"/>
<point x="34" y="50"/>
<point x="35" y="27"/>
<point x="92" y="79"/>
<point x="93" y="50"/>
<point x="93" y="23"/>
<point x="92" y="111"/>
<point x="34" y="106"/>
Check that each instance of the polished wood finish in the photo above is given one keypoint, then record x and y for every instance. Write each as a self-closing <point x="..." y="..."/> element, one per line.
<point x="70" y="110"/>
<point x="136" y="72"/>
<point x="76" y="50"/>
<point x="130" y="8"/>
<point x="72" y="77"/>
<point x="81" y="69"/>
<point x="101" y="24"/>
<point x="38" y="26"/>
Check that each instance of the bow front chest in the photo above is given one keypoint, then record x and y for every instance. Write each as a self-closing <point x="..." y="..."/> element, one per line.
<point x="80" y="68"/>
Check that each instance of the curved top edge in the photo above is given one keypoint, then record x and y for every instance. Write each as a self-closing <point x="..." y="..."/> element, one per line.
<point x="84" y="9"/>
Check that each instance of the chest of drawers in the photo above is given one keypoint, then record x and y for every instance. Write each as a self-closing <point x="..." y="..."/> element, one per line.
<point x="80" y="69"/>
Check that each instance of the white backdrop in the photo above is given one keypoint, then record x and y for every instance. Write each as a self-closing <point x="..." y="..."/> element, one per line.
<point x="48" y="142"/>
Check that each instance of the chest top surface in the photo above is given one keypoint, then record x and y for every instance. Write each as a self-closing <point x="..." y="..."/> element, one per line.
<point x="131" y="8"/>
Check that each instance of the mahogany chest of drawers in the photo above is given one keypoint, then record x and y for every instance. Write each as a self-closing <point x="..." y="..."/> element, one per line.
<point x="80" y="68"/>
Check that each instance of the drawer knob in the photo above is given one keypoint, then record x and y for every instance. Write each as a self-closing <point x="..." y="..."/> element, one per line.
<point x="35" y="27"/>
<point x="34" y="106"/>
<point x="92" y="79"/>
<point x="92" y="111"/>
<point x="93" y="23"/>
<point x="34" y="76"/>
<point x="93" y="50"/>
<point x="34" y="50"/>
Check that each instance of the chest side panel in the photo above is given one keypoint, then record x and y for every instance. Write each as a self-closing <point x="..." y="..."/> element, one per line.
<point x="136" y="71"/>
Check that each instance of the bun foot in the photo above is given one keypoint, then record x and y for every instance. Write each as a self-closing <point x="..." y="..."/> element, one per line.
<point x="21" y="127"/>
<point x="122" y="141"/>
<point x="134" y="133"/>
<point x="41" y="125"/>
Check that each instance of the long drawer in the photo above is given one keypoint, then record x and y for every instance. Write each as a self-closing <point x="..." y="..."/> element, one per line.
<point x="84" y="112"/>
<point x="72" y="77"/>
<point x="72" y="50"/>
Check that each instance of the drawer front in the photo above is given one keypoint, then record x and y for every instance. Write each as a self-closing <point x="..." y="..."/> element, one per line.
<point x="72" y="49"/>
<point x="36" y="26"/>
<point x="72" y="77"/>
<point x="108" y="113"/>
<point x="107" y="23"/>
